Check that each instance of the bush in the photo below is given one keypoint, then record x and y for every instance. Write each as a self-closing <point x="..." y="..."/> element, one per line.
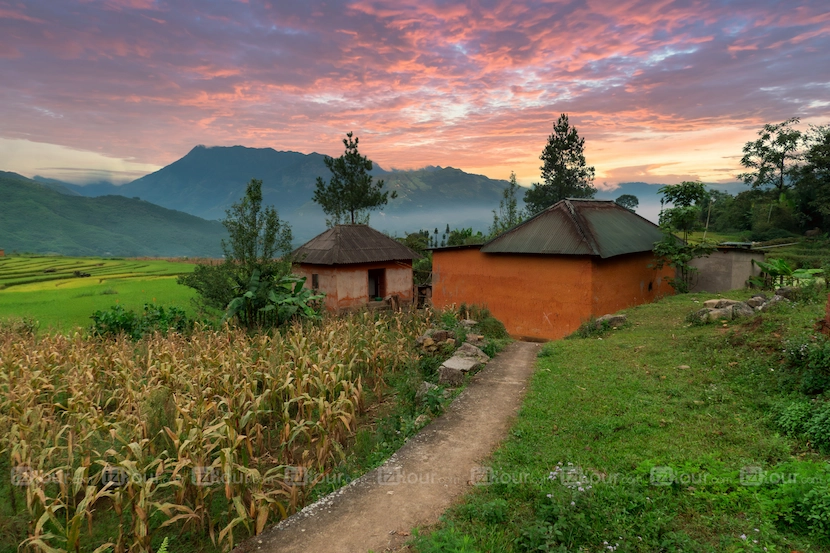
<point x="117" y="321"/>
<point x="794" y="417"/>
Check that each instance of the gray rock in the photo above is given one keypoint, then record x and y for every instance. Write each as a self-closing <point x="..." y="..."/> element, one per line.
<point x="463" y="364"/>
<point x="787" y="292"/>
<point x="423" y="390"/>
<point x="701" y="315"/>
<point x="471" y="351"/>
<point x="719" y="304"/>
<point x="440" y="335"/>
<point x="450" y="377"/>
<point x="742" y="309"/>
<point x="775" y="299"/>
<point x="611" y="320"/>
<point x="721" y="314"/>
<point x="469" y="323"/>
<point x="755" y="302"/>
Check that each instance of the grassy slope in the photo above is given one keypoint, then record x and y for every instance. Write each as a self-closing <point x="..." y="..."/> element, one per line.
<point x="656" y="393"/>
<point x="36" y="218"/>
<point x="60" y="301"/>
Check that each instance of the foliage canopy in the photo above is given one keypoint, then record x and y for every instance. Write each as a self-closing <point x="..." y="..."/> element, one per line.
<point x="350" y="194"/>
<point x="565" y="174"/>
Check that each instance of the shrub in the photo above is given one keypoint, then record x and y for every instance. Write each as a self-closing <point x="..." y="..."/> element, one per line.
<point x="794" y="417"/>
<point x="153" y="318"/>
<point x="817" y="429"/>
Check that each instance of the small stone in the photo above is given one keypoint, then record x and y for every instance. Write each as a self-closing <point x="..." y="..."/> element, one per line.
<point x="427" y="342"/>
<point x="721" y="314"/>
<point x="755" y="302"/>
<point x="610" y="320"/>
<point x="468" y="323"/>
<point x="450" y="341"/>
<point x="787" y="292"/>
<point x="684" y="367"/>
<point x="742" y="309"/>
<point x="440" y="335"/>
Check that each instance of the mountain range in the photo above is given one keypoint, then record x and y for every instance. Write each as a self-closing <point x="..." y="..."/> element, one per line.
<point x="50" y="218"/>
<point x="207" y="180"/>
<point x="203" y="184"/>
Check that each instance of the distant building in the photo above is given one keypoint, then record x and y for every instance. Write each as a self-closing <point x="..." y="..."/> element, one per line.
<point x="727" y="268"/>
<point x="545" y="277"/>
<point x="355" y="266"/>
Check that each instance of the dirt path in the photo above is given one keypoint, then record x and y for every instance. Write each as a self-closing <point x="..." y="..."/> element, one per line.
<point x="419" y="482"/>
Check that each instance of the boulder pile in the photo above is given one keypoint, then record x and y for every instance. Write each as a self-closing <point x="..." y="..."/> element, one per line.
<point x="726" y="310"/>
<point x="467" y="358"/>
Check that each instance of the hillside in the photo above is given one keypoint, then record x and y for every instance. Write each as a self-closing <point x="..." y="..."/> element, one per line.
<point x="36" y="218"/>
<point x="206" y="181"/>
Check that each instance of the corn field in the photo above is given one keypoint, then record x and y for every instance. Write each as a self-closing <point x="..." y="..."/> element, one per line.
<point x="209" y="433"/>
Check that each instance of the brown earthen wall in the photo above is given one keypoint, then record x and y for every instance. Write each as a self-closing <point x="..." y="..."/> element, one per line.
<point x="347" y="286"/>
<point x="543" y="297"/>
<point x="623" y="281"/>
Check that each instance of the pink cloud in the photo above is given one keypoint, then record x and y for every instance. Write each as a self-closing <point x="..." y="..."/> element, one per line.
<point x="468" y="85"/>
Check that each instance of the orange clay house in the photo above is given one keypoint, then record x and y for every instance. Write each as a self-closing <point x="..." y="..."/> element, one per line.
<point x="545" y="277"/>
<point x="356" y="265"/>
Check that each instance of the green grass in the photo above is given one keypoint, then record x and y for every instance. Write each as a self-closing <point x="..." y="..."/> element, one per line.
<point x="60" y="301"/>
<point x="618" y="412"/>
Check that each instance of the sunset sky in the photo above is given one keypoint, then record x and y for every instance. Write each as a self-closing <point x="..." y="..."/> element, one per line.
<point x="662" y="91"/>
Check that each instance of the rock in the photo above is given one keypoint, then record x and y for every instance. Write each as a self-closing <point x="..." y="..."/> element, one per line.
<point x="454" y="369"/>
<point x="468" y="323"/>
<point x="475" y="339"/>
<point x="719" y="304"/>
<point x="701" y="315"/>
<point x="450" y="377"/>
<point x="755" y="302"/>
<point x="423" y="390"/>
<point x="775" y="299"/>
<point x="721" y="314"/>
<point x="450" y="341"/>
<point x="684" y="367"/>
<point x="742" y="309"/>
<point x="610" y="320"/>
<point x="428" y="342"/>
<point x="440" y="335"/>
<point x="760" y="295"/>
<point x="787" y="292"/>
<point x="469" y="350"/>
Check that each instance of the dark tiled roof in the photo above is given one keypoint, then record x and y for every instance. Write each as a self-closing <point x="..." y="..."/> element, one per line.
<point x="579" y="227"/>
<point x="347" y="244"/>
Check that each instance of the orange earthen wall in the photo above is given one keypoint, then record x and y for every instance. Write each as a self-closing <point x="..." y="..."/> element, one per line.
<point x="347" y="286"/>
<point x="544" y="297"/>
<point x="622" y="281"/>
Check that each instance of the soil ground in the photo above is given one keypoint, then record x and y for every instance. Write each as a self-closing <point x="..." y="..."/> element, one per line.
<point x="419" y="482"/>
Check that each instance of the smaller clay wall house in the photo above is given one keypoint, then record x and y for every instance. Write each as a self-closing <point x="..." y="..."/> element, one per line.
<point x="727" y="268"/>
<point x="355" y="265"/>
<point x="545" y="277"/>
<point x="2" y="253"/>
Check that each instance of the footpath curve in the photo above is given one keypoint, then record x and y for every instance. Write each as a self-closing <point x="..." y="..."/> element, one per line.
<point x="431" y="471"/>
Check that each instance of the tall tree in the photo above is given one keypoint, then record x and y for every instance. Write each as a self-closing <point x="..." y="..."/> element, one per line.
<point x="628" y="201"/>
<point x="771" y="160"/>
<point x="565" y="174"/>
<point x="350" y="194"/>
<point x="258" y="243"/>
<point x="509" y="214"/>
<point x="812" y="183"/>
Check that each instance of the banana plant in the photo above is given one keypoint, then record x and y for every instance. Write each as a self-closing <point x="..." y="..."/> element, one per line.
<point x="271" y="302"/>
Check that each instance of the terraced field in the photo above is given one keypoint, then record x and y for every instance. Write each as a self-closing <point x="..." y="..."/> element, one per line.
<point x="53" y="291"/>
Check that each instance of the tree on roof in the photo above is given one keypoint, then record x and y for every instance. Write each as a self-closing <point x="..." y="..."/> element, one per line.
<point x="350" y="194"/>
<point x="565" y="174"/>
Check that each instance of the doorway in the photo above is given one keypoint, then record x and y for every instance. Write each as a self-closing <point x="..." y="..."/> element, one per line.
<point x="377" y="283"/>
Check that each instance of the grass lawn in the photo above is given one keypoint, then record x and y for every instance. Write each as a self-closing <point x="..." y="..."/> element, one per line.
<point x="659" y="436"/>
<point x="60" y="301"/>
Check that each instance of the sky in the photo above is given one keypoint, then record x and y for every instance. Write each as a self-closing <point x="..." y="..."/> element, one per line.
<point x="661" y="91"/>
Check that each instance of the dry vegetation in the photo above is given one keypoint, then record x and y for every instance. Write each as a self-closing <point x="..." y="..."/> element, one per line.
<point x="206" y="433"/>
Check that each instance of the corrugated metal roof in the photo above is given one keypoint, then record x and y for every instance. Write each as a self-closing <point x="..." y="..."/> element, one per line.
<point x="579" y="227"/>
<point x="347" y="244"/>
